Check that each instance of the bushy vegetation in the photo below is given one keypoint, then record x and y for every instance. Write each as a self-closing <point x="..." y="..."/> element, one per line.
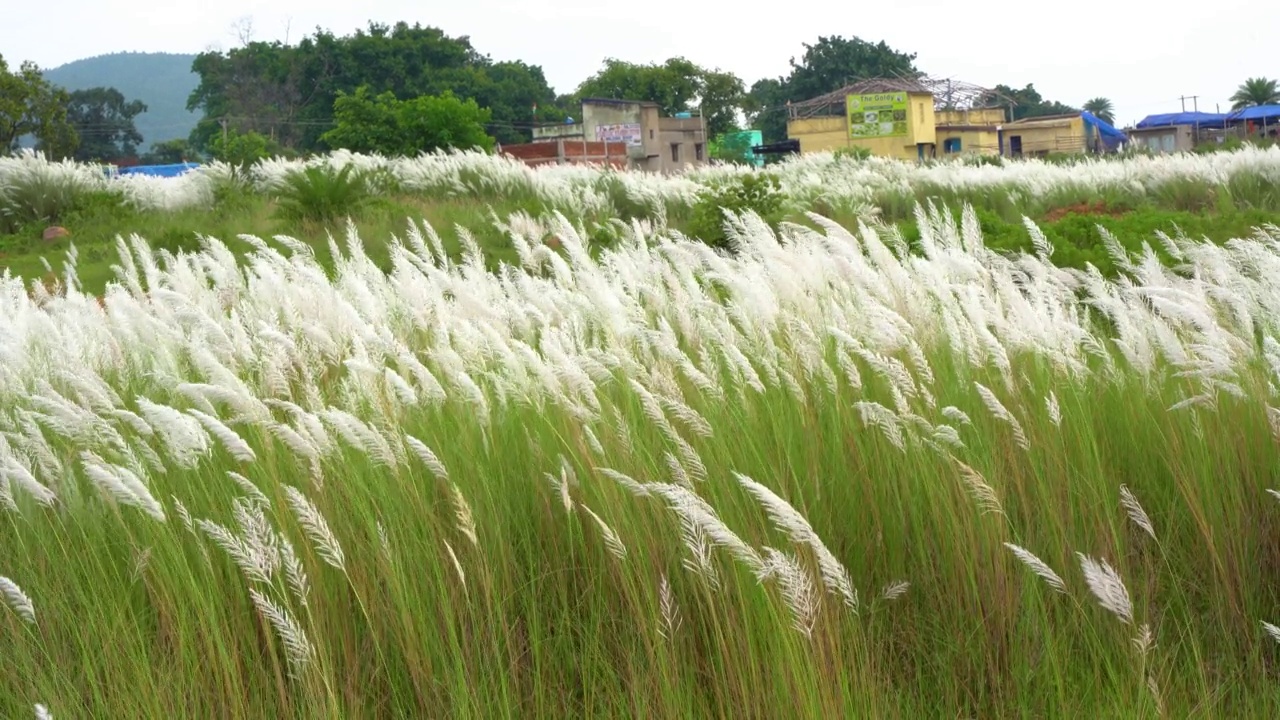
<point x="719" y="205"/>
<point x="824" y="476"/>
<point x="857" y="465"/>
<point x="323" y="194"/>
<point x="1217" y="197"/>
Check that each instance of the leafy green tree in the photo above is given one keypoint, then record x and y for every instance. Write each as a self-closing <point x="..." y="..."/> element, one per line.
<point x="288" y="92"/>
<point x="517" y="95"/>
<point x="833" y="62"/>
<point x="733" y="147"/>
<point x="168" y="152"/>
<point x="676" y="85"/>
<point x="1254" y="92"/>
<point x="242" y="149"/>
<point x="827" y="65"/>
<point x="382" y="124"/>
<point x="1025" y="103"/>
<point x="1103" y="108"/>
<point x="103" y="120"/>
<point x="255" y="88"/>
<point x="673" y="85"/>
<point x="720" y="100"/>
<point x="31" y="105"/>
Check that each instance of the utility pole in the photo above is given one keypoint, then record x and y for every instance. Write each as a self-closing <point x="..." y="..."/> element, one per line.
<point x="706" y="142"/>
<point x="223" y="121"/>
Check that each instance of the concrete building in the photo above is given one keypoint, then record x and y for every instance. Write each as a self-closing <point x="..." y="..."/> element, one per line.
<point x="570" y="151"/>
<point x="918" y="119"/>
<point x="973" y="131"/>
<point x="891" y="118"/>
<point x="1078" y="132"/>
<point x="1177" y="132"/>
<point x="635" y="129"/>
<point x="898" y="118"/>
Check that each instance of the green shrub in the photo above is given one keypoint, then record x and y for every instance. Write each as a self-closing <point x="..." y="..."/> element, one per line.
<point x="243" y="149"/>
<point x="760" y="193"/>
<point x="43" y="198"/>
<point x="980" y="160"/>
<point x="853" y="152"/>
<point x="322" y="194"/>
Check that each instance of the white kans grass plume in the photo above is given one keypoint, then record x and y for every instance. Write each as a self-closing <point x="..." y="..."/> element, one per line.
<point x="611" y="539"/>
<point x="894" y="590"/>
<point x="982" y="493"/>
<point x="428" y="458"/>
<point x="462" y="511"/>
<point x="789" y="520"/>
<point x="1271" y="630"/>
<point x="1135" y="511"/>
<point x="670" y="611"/>
<point x="797" y="588"/>
<point x="1000" y="412"/>
<point x="1107" y="587"/>
<point x="231" y="441"/>
<point x="298" y="648"/>
<point x="1038" y="567"/>
<point x="317" y="529"/>
<point x="17" y="599"/>
<point x="122" y="484"/>
<point x="652" y="352"/>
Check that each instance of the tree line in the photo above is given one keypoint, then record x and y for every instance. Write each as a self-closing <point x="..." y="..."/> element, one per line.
<point x="406" y="88"/>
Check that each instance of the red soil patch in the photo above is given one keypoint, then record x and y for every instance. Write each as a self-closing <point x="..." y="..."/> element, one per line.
<point x="1097" y="208"/>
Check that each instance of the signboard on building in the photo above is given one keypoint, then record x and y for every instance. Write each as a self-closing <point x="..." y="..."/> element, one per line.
<point x="628" y="133"/>
<point x="877" y="115"/>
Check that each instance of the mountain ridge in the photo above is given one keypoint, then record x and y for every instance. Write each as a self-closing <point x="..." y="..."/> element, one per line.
<point x="163" y="81"/>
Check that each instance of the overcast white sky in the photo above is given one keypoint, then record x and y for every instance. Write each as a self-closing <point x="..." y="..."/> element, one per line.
<point x="1142" y="55"/>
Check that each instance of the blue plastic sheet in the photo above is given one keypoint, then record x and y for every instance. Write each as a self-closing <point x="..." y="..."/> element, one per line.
<point x="1204" y="120"/>
<point x="159" y="170"/>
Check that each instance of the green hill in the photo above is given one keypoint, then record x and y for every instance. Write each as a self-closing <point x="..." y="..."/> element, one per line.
<point x="161" y="80"/>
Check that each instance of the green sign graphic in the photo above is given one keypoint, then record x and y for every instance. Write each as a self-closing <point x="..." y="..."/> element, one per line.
<point x="877" y="115"/>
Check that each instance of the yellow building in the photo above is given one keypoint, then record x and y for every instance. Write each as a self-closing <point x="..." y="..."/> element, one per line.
<point x="897" y="118"/>
<point x="1050" y="134"/>
<point x="974" y="131"/>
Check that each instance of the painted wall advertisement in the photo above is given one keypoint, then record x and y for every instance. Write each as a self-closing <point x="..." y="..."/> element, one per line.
<point x="628" y="133"/>
<point x="877" y="115"/>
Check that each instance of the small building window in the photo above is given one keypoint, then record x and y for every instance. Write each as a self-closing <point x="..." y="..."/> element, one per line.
<point x="951" y="145"/>
<point x="675" y="152"/>
<point x="697" y="151"/>
<point x="650" y="133"/>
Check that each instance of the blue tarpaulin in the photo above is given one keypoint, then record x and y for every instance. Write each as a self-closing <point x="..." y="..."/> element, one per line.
<point x="1204" y="120"/>
<point x="1268" y="113"/>
<point x="159" y="170"/>
<point x="1110" y="136"/>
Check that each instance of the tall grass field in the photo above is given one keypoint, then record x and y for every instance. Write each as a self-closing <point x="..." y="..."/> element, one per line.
<point x="573" y="461"/>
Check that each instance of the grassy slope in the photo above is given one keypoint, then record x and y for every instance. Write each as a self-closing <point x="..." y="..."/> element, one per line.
<point x="1073" y="230"/>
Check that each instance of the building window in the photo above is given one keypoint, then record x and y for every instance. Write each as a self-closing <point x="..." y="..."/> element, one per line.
<point x="650" y="133"/>
<point x="675" y="152"/>
<point x="951" y="145"/>
<point x="697" y="151"/>
<point x="1168" y="142"/>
